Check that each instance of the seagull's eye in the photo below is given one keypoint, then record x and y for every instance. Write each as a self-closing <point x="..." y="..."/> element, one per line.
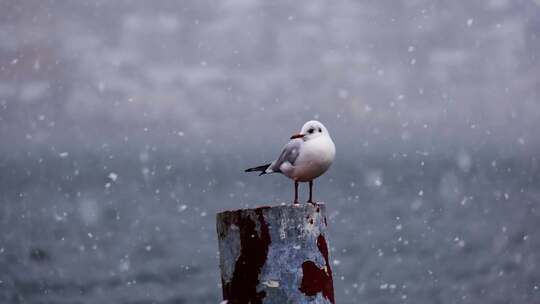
<point x="320" y="130"/>
<point x="310" y="131"/>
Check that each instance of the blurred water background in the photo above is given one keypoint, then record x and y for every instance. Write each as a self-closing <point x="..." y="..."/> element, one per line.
<point x="125" y="126"/>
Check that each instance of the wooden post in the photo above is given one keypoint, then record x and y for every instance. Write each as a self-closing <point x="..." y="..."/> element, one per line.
<point x="275" y="255"/>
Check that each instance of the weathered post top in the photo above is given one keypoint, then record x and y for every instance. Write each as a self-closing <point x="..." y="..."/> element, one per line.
<point x="275" y="255"/>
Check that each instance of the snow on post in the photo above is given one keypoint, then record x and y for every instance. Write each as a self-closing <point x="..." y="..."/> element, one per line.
<point x="275" y="255"/>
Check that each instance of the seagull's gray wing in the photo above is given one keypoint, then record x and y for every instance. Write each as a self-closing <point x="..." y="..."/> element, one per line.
<point x="289" y="154"/>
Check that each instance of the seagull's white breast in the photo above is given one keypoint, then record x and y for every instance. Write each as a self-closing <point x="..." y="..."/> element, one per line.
<point x="316" y="156"/>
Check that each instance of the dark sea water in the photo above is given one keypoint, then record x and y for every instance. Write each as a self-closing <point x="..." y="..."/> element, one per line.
<point x="79" y="228"/>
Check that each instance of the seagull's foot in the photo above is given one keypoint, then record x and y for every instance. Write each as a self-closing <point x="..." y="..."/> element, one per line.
<point x="312" y="202"/>
<point x="296" y="203"/>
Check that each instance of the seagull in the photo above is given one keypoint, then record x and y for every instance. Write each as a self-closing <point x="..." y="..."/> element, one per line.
<point x="304" y="158"/>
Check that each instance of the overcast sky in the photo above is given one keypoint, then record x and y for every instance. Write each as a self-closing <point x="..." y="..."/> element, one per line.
<point x="382" y="75"/>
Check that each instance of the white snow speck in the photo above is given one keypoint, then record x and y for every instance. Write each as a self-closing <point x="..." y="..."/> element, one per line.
<point x="470" y="22"/>
<point x="374" y="178"/>
<point x="63" y="154"/>
<point x="124" y="265"/>
<point x="113" y="176"/>
<point x="182" y="208"/>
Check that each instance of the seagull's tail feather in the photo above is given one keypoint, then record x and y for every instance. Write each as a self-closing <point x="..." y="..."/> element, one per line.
<point x="262" y="169"/>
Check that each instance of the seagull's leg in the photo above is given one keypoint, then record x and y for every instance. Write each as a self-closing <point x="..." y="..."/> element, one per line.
<point x="310" y="200"/>
<point x="295" y="192"/>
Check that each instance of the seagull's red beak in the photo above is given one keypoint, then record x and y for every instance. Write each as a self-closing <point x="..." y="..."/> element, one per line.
<point x="298" y="136"/>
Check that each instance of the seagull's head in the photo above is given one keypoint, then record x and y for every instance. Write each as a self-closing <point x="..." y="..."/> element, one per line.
<point x="311" y="129"/>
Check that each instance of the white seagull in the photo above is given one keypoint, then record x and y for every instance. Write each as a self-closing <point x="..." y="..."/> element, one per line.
<point x="304" y="158"/>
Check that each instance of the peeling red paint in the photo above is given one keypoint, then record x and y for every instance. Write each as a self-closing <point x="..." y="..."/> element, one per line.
<point x="253" y="253"/>
<point x="314" y="279"/>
